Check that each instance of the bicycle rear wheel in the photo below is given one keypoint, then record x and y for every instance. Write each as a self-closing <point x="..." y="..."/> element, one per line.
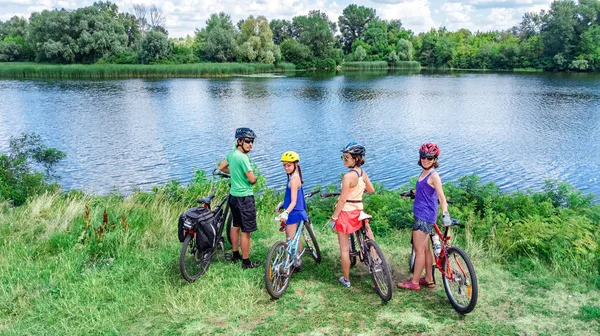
<point x="277" y="275"/>
<point x="460" y="281"/>
<point x="311" y="242"/>
<point x="192" y="261"/>
<point x="380" y="271"/>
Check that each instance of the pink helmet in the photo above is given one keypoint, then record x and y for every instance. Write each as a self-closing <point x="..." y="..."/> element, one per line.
<point x="429" y="150"/>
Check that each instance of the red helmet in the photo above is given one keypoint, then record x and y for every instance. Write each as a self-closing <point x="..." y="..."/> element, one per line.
<point x="429" y="150"/>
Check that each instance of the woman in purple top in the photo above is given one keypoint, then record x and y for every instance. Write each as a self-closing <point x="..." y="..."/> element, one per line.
<point x="427" y="194"/>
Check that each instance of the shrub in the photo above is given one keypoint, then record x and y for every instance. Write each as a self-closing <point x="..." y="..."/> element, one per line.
<point x="18" y="180"/>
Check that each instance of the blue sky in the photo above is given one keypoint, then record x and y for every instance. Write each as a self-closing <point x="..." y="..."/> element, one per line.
<point x="183" y="16"/>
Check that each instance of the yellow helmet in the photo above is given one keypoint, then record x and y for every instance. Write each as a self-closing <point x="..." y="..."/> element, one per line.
<point x="290" y="157"/>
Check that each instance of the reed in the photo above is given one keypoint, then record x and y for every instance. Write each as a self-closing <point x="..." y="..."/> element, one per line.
<point x="411" y="65"/>
<point x="108" y="71"/>
<point x="378" y="65"/>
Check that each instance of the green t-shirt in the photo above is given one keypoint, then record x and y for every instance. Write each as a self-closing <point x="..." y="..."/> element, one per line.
<point x="239" y="164"/>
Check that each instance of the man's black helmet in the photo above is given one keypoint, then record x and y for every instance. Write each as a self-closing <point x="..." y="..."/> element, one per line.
<point x="354" y="148"/>
<point x="244" y="132"/>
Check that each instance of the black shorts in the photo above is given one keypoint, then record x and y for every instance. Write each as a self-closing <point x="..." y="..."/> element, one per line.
<point x="243" y="212"/>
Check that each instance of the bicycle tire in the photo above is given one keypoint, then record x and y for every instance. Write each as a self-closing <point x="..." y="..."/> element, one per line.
<point x="276" y="278"/>
<point x="228" y="223"/>
<point x="411" y="261"/>
<point x="380" y="272"/>
<point x="462" y="303"/>
<point x="311" y="242"/>
<point x="352" y="249"/>
<point x="192" y="262"/>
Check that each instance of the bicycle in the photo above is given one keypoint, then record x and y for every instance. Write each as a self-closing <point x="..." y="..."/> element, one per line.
<point x="194" y="262"/>
<point x="459" y="278"/>
<point x="281" y="259"/>
<point x="370" y="254"/>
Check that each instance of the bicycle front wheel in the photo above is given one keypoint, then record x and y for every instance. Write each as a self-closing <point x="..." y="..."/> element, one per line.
<point x="353" y="251"/>
<point x="278" y="270"/>
<point x="311" y="242"/>
<point x="193" y="262"/>
<point x="380" y="271"/>
<point x="460" y="281"/>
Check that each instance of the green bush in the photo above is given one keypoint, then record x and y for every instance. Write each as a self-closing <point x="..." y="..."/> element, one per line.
<point x="18" y="180"/>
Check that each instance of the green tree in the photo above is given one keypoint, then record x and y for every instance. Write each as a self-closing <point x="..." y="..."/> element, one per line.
<point x="376" y="36"/>
<point x="282" y="30"/>
<point x="256" y="41"/>
<point x="216" y="42"/>
<point x="404" y="50"/>
<point x="153" y="47"/>
<point x="316" y="31"/>
<point x="558" y="32"/>
<point x="360" y="54"/>
<point x="14" y="27"/>
<point x="353" y="22"/>
<point x="295" y="52"/>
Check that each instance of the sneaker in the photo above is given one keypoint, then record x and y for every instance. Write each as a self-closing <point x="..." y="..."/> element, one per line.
<point x="428" y="284"/>
<point x="408" y="284"/>
<point x="252" y="264"/>
<point x="234" y="259"/>
<point x="344" y="282"/>
<point x="298" y="265"/>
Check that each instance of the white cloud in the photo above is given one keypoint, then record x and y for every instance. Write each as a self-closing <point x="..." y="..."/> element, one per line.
<point x="415" y="14"/>
<point x="456" y="12"/>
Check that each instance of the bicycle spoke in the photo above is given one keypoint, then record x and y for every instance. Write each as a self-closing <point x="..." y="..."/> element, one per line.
<point x="460" y="281"/>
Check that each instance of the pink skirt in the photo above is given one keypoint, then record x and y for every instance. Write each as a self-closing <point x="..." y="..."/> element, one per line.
<point x="348" y="222"/>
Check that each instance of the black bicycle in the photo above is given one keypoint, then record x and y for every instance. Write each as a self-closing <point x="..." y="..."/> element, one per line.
<point x="369" y="253"/>
<point x="194" y="261"/>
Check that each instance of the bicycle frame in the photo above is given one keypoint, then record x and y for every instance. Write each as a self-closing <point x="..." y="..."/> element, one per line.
<point x="439" y="260"/>
<point x="292" y="248"/>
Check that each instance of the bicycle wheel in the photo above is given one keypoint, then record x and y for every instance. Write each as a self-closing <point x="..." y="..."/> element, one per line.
<point x="411" y="261"/>
<point x="380" y="271"/>
<point x="352" y="250"/>
<point x="311" y="242"/>
<point x="192" y="261"/>
<point x="277" y="275"/>
<point x="228" y="223"/>
<point x="460" y="281"/>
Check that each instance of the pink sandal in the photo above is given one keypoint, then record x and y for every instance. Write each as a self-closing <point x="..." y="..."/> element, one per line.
<point x="425" y="283"/>
<point x="408" y="284"/>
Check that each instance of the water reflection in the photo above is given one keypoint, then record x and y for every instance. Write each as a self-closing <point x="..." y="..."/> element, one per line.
<point x="514" y="129"/>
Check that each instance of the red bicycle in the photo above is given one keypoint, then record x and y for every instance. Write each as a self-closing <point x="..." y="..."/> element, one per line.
<point x="458" y="273"/>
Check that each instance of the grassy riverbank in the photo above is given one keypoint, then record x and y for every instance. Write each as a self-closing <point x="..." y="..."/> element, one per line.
<point x="61" y="274"/>
<point x="107" y="71"/>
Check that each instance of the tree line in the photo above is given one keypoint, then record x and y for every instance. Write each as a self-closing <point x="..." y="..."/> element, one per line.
<point x="566" y="37"/>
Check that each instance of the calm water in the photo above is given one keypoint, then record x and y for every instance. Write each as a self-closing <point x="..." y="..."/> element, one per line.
<point x="513" y="129"/>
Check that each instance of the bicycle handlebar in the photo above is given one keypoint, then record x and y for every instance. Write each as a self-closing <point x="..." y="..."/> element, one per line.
<point x="217" y="172"/>
<point x="330" y="194"/>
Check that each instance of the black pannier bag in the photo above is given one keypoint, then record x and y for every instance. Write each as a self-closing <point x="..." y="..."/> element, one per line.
<point x="202" y="221"/>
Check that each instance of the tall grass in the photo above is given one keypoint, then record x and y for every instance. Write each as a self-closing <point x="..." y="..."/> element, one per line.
<point x="410" y="65"/>
<point x="78" y="264"/>
<point x="378" y="65"/>
<point x="106" y="71"/>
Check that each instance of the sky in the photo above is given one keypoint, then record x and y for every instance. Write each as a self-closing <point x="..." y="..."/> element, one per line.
<point x="184" y="16"/>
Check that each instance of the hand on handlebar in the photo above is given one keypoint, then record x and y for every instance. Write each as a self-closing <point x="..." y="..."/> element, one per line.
<point x="446" y="220"/>
<point x="407" y="194"/>
<point x="282" y="217"/>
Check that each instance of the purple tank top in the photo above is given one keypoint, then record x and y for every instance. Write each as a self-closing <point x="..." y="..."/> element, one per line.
<point x="426" y="201"/>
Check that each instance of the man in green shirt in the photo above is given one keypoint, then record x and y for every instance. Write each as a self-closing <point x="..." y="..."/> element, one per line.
<point x="241" y="199"/>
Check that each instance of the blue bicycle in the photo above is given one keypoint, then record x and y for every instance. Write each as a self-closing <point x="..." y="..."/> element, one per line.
<point x="283" y="257"/>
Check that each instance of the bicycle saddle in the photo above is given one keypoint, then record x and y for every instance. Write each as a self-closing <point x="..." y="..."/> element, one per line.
<point x="363" y="215"/>
<point x="206" y="200"/>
